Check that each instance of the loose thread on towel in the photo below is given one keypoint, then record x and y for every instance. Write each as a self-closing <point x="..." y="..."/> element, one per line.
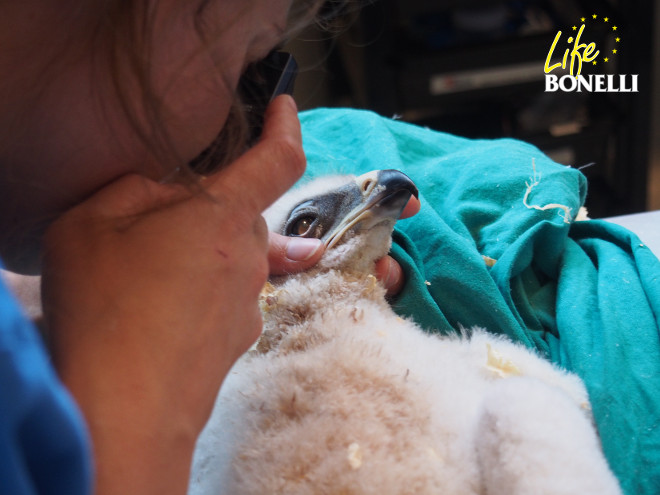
<point x="534" y="181"/>
<point x="586" y="165"/>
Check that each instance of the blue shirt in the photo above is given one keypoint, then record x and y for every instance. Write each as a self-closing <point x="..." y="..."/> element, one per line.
<point x="44" y="447"/>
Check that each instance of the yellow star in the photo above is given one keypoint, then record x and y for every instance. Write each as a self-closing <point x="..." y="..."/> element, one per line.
<point x="574" y="28"/>
<point x="606" y="19"/>
<point x="594" y="62"/>
<point x="594" y="16"/>
<point x="614" y="28"/>
<point x="614" y="51"/>
<point x="606" y="59"/>
<point x="618" y="39"/>
<point x="582" y="19"/>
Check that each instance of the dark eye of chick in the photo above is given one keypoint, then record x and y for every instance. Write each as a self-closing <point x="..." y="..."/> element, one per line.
<point x="302" y="226"/>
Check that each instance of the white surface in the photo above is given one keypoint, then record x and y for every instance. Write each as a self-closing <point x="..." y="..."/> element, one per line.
<point x="645" y="225"/>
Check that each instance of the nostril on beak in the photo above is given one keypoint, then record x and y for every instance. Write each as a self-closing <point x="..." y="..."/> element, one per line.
<point x="366" y="185"/>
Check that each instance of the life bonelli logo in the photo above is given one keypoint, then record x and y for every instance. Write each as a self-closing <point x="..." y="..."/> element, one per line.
<point x="563" y="71"/>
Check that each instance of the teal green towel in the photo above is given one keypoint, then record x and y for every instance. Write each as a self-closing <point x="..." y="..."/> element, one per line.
<point x="496" y="244"/>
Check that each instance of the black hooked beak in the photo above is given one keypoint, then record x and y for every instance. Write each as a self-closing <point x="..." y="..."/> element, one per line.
<point x="384" y="195"/>
<point x="386" y="192"/>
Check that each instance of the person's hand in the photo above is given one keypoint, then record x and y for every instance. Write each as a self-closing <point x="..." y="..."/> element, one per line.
<point x="292" y="254"/>
<point x="150" y="295"/>
<point x="388" y="269"/>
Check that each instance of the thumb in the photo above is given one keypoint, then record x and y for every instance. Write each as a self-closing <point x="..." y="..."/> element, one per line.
<point x="292" y="254"/>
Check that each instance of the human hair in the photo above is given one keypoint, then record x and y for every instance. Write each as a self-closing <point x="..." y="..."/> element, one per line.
<point x="123" y="34"/>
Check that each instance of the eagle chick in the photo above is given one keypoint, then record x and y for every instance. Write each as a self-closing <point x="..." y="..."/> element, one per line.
<point x="342" y="396"/>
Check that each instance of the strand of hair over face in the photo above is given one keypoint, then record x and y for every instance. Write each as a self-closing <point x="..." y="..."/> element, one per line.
<point x="123" y="34"/>
<point x="232" y="140"/>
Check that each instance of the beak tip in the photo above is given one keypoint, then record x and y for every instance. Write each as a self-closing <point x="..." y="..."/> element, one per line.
<point x="395" y="180"/>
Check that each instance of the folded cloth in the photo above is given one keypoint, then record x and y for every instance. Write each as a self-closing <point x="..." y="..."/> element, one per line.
<point x="497" y="244"/>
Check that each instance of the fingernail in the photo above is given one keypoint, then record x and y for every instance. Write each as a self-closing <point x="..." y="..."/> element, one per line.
<point x="302" y="249"/>
<point x="292" y="103"/>
<point x="391" y="278"/>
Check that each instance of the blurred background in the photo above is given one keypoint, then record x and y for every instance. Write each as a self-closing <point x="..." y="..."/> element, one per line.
<point x="475" y="68"/>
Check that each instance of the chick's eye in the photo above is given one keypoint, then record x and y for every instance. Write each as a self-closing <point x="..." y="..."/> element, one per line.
<point x="302" y="226"/>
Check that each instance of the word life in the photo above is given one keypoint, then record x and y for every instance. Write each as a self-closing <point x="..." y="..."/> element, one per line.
<point x="581" y="52"/>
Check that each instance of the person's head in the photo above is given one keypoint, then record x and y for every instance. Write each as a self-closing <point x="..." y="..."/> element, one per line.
<point x="93" y="89"/>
